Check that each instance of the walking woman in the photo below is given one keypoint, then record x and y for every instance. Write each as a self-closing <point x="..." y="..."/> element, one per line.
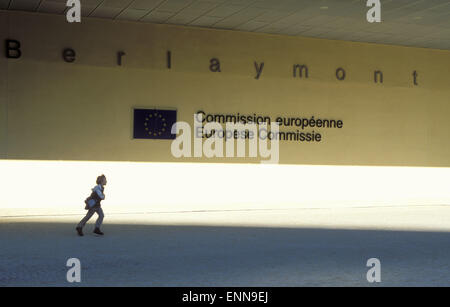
<point x="94" y="206"/>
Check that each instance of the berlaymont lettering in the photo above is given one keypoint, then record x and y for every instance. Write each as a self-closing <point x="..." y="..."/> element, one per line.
<point x="13" y="50"/>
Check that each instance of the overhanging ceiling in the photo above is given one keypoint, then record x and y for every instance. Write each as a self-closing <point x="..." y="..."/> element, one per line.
<point x="418" y="23"/>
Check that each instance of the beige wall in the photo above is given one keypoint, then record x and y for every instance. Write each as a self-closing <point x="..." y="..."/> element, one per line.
<point x="82" y="111"/>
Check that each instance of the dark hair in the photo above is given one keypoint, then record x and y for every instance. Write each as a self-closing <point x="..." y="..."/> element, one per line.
<point x="100" y="179"/>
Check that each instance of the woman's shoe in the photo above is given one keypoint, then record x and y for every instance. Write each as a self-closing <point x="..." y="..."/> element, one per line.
<point x="97" y="231"/>
<point x="80" y="231"/>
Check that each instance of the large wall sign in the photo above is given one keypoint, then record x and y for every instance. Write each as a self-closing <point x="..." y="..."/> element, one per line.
<point x="105" y="90"/>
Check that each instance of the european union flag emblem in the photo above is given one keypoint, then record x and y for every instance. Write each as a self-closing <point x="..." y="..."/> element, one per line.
<point x="154" y="124"/>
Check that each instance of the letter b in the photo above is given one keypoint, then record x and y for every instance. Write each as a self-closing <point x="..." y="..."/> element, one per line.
<point x="12" y="48"/>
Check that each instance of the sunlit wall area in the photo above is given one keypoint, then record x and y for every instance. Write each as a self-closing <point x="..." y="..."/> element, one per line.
<point x="61" y="186"/>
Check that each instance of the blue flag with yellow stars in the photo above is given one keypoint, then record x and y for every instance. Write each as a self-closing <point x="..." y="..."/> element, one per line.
<point x="154" y="124"/>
